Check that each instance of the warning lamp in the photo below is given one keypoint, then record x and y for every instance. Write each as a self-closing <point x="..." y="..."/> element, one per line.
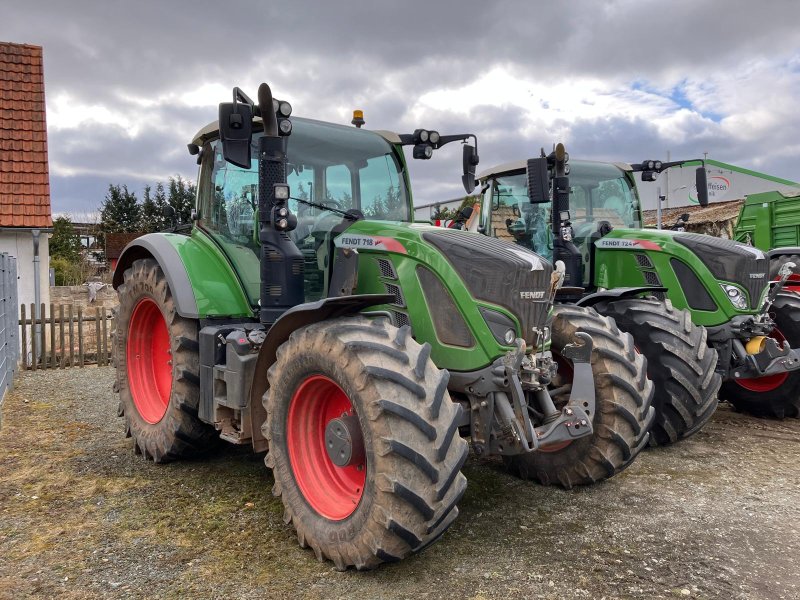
<point x="358" y="118"/>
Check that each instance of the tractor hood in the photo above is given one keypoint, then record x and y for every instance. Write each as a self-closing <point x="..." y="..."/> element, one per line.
<point x="730" y="261"/>
<point x="697" y="261"/>
<point x="467" y="287"/>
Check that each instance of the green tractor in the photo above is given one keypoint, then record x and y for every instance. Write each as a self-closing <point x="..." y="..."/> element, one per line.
<point x="303" y="314"/>
<point x="721" y="318"/>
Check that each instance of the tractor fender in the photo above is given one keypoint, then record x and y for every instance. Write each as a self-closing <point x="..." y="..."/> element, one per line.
<point x="618" y="294"/>
<point x="776" y="252"/>
<point x="158" y="247"/>
<point x="293" y="319"/>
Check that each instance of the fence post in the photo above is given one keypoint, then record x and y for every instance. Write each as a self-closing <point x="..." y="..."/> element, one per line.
<point x="43" y="325"/>
<point x="71" y="339"/>
<point x="61" y="359"/>
<point x="34" y="340"/>
<point x="53" y="356"/>
<point x="97" y="333"/>
<point x="80" y="336"/>
<point x="106" y="357"/>
<point x="23" y="324"/>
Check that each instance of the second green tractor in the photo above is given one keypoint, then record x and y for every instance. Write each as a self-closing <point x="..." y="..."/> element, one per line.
<point x="702" y="309"/>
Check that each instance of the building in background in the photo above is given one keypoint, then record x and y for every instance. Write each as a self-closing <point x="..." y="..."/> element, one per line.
<point x="115" y="244"/>
<point x="725" y="183"/>
<point x="425" y="212"/>
<point x="25" y="218"/>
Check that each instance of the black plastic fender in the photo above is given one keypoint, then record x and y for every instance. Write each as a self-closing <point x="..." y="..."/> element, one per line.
<point x="776" y="252"/>
<point x="293" y="319"/>
<point x="618" y="294"/>
<point x="159" y="248"/>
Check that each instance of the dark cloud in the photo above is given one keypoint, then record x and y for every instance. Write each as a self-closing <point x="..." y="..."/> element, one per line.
<point x="331" y="57"/>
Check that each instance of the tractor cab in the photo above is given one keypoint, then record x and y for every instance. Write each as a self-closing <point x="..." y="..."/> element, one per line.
<point x="336" y="175"/>
<point x="602" y="197"/>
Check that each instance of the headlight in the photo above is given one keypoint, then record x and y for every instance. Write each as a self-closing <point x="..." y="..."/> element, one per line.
<point x="735" y="295"/>
<point x="285" y="109"/>
<point x="503" y="328"/>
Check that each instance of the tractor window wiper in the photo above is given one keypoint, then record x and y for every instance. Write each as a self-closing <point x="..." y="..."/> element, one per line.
<point x="346" y="214"/>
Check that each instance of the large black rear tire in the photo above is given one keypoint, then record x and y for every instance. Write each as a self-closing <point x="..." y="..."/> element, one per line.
<point x="398" y="491"/>
<point x="679" y="362"/>
<point x="623" y="413"/>
<point x="157" y="362"/>
<point x="776" y="396"/>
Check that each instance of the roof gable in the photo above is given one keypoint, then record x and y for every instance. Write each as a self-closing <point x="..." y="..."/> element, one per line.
<point x="24" y="178"/>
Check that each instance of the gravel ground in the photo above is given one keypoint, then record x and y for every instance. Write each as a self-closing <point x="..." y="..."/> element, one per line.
<point x="81" y="516"/>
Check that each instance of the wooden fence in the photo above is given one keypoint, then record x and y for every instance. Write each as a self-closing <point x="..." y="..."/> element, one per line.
<point x="66" y="337"/>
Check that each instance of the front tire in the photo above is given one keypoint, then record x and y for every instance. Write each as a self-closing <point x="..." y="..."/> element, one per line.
<point x="623" y="415"/>
<point x="679" y="362"/>
<point x="776" y="396"/>
<point x="157" y="362"/>
<point x="363" y="441"/>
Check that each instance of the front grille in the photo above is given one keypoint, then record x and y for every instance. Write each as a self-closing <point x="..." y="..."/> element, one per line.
<point x="651" y="278"/>
<point x="500" y="273"/>
<point x="400" y="319"/>
<point x="395" y="291"/>
<point x="447" y="320"/>
<point x="693" y="289"/>
<point x="643" y="261"/>
<point x="386" y="269"/>
<point x="730" y="261"/>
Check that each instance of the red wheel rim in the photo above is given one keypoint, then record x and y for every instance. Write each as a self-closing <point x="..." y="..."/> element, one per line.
<point x="769" y="382"/>
<point x="149" y="359"/>
<point x="332" y="491"/>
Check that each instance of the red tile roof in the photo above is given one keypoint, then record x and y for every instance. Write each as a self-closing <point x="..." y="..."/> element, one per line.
<point x="24" y="179"/>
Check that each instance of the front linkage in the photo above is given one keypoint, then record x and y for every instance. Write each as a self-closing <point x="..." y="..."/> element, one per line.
<point x="760" y="355"/>
<point x="500" y="418"/>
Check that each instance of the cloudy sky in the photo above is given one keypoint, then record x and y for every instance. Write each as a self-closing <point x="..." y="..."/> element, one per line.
<point x="129" y="82"/>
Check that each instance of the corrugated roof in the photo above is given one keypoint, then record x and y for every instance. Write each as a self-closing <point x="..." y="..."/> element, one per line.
<point x="713" y="213"/>
<point x="24" y="178"/>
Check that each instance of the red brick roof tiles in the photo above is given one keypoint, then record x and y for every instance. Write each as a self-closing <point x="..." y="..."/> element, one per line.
<point x="24" y="175"/>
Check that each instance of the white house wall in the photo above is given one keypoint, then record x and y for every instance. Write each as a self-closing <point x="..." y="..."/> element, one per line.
<point x="20" y="245"/>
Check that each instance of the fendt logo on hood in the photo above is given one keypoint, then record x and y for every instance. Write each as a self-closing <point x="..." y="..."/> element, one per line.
<point x="622" y="244"/>
<point x="531" y="295"/>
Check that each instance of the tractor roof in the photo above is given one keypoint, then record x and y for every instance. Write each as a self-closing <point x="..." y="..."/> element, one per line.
<point x="521" y="165"/>
<point x="211" y="131"/>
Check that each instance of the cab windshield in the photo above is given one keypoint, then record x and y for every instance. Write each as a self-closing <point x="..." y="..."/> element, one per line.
<point x="599" y="192"/>
<point x="337" y="167"/>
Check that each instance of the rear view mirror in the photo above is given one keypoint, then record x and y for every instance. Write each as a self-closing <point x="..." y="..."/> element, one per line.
<point x="469" y="160"/>
<point x="701" y="181"/>
<point x="538" y="183"/>
<point x="235" y="129"/>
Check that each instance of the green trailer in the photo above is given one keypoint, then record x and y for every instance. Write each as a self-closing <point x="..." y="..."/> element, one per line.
<point x="770" y="221"/>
